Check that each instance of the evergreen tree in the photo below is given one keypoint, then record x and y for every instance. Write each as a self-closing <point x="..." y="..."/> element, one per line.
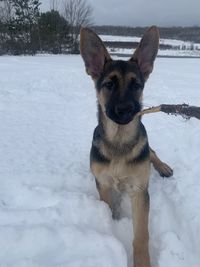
<point x="25" y="25"/>
<point x="54" y="32"/>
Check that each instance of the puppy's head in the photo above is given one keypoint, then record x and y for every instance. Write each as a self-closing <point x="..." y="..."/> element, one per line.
<point x="119" y="83"/>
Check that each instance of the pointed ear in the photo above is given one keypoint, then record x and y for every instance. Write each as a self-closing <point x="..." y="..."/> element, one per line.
<point x="93" y="52"/>
<point x="146" y="52"/>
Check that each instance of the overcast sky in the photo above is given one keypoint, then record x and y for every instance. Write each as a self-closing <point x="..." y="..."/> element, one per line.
<point x="143" y="12"/>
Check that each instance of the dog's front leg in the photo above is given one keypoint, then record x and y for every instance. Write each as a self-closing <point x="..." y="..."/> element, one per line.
<point x="104" y="193"/>
<point x="140" y="210"/>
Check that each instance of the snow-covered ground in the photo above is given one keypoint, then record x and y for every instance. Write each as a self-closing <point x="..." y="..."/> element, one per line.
<point x="161" y="53"/>
<point x="173" y="42"/>
<point x="180" y="48"/>
<point x="49" y="207"/>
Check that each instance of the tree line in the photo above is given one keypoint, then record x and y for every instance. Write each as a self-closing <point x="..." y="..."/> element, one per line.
<point x="25" y="29"/>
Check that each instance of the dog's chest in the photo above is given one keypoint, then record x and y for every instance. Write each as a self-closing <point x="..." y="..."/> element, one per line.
<point x="114" y="173"/>
<point x="119" y="174"/>
<point x="119" y="164"/>
<point x="118" y="169"/>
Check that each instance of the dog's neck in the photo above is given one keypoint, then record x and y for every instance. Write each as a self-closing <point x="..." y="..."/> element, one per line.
<point x="117" y="134"/>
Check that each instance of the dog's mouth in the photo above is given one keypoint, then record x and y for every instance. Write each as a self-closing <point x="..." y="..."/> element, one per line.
<point x="123" y="117"/>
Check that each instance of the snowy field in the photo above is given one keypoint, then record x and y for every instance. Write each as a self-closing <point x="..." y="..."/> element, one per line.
<point x="173" y="42"/>
<point x="181" y="48"/>
<point x="161" y="53"/>
<point x="49" y="207"/>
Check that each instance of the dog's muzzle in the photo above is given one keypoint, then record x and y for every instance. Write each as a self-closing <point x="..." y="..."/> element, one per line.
<point x="123" y="113"/>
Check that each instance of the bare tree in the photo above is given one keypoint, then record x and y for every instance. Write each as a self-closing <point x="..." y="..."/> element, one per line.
<point x="55" y="4"/>
<point x="78" y="13"/>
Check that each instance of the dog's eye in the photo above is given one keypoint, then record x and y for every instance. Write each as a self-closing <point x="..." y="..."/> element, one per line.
<point x="135" y="85"/>
<point x="109" y="85"/>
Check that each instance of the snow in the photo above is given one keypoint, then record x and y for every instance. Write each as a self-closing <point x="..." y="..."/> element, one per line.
<point x="161" y="53"/>
<point x="180" y="48"/>
<point x="173" y="42"/>
<point x="49" y="206"/>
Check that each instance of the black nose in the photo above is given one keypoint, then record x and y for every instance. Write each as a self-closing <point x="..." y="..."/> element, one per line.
<point x="123" y="109"/>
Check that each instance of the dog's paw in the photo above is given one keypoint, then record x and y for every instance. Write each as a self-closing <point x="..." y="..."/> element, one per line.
<point x="164" y="170"/>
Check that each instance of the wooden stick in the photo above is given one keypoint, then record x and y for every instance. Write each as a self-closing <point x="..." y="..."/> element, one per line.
<point x="184" y="110"/>
<point x="149" y="110"/>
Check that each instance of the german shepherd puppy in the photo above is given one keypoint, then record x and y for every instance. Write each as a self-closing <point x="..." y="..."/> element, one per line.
<point x="120" y="155"/>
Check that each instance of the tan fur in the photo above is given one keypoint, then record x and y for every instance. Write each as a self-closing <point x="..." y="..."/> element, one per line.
<point x="160" y="166"/>
<point x="122" y="176"/>
<point x="140" y="210"/>
<point x="119" y="134"/>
